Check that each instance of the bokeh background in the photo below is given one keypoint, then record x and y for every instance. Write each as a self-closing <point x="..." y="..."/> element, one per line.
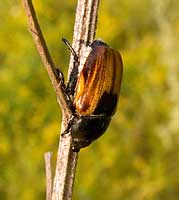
<point x="138" y="157"/>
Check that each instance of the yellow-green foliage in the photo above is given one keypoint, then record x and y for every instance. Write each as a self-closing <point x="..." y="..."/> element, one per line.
<point x="138" y="157"/>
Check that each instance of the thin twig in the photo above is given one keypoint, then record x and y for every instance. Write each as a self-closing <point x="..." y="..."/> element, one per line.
<point x="44" y="54"/>
<point x="85" y="26"/>
<point x="48" y="169"/>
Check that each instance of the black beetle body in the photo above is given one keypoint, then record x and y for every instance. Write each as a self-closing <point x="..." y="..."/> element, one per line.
<point x="86" y="129"/>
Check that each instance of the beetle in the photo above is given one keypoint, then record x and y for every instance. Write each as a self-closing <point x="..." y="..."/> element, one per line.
<point x="94" y="88"/>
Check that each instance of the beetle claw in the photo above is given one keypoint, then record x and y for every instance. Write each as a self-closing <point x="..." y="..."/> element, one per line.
<point x="68" y="129"/>
<point x="75" y="149"/>
<point x="61" y="78"/>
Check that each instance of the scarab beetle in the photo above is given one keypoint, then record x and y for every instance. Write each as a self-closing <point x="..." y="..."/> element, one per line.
<point x="94" y="88"/>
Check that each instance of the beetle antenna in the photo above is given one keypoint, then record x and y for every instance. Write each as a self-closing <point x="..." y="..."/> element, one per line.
<point x="71" y="49"/>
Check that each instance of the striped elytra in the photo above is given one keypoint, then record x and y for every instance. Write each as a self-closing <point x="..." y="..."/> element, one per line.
<point x="99" y="82"/>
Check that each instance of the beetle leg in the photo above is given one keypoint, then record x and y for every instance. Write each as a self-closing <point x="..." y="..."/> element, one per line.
<point x="70" y="89"/>
<point x="72" y="80"/>
<point x="92" y="116"/>
<point x="62" y="80"/>
<point x="75" y="147"/>
<point x="64" y="87"/>
<point x="71" y="49"/>
<point x="68" y="129"/>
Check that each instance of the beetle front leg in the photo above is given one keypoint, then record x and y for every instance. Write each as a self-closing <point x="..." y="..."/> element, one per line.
<point x="62" y="80"/>
<point x="75" y="147"/>
<point x="70" y="123"/>
<point x="70" y="88"/>
<point x="63" y="86"/>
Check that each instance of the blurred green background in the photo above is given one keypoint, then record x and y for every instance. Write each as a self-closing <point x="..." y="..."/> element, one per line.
<point x="138" y="157"/>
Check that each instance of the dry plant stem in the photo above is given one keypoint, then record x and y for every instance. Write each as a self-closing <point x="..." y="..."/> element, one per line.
<point x="70" y="175"/>
<point x="84" y="32"/>
<point x="48" y="169"/>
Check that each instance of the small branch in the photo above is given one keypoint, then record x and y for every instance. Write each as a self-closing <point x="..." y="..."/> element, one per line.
<point x="48" y="169"/>
<point x="85" y="26"/>
<point x="63" y="183"/>
<point x="44" y="54"/>
<point x="70" y="175"/>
